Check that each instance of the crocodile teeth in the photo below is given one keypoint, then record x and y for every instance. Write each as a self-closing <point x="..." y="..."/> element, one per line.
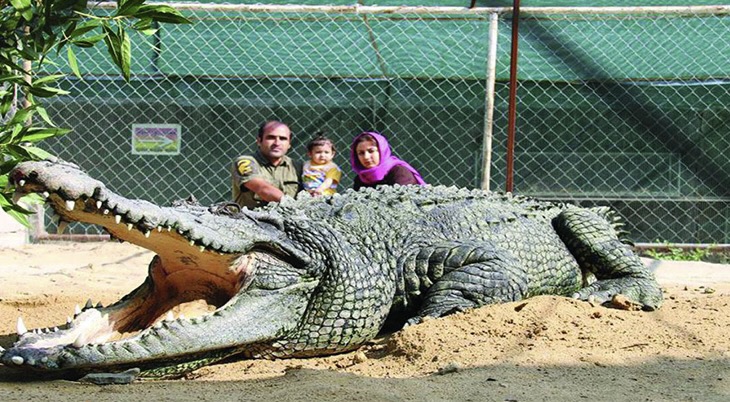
<point x="98" y="205"/>
<point x="105" y="211"/>
<point x="147" y="233"/>
<point x="80" y="341"/>
<point x="89" y="304"/>
<point x="117" y="218"/>
<point x="201" y="248"/>
<point x="159" y="228"/>
<point x="70" y="205"/>
<point x="17" y="360"/>
<point x="68" y="320"/>
<point x="99" y="305"/>
<point x="130" y="226"/>
<point x="2" y="349"/>
<point x="21" y="326"/>
<point x="62" y="226"/>
<point x="192" y="242"/>
<point x="21" y="182"/>
<point x="55" y="329"/>
<point x="77" y="310"/>
<point x="46" y="194"/>
<point x="170" y="316"/>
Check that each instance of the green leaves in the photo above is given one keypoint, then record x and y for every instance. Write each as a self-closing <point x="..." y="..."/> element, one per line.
<point x="30" y="30"/>
<point x="74" y="32"/>
<point x="76" y="5"/>
<point x="161" y="13"/>
<point x="88" y="41"/>
<point x="39" y="87"/>
<point x="72" y="62"/>
<point x="19" y="213"/>
<point x="128" y="7"/>
<point x="17" y="131"/>
<point x="23" y="6"/>
<point x="117" y="43"/>
<point x="25" y="152"/>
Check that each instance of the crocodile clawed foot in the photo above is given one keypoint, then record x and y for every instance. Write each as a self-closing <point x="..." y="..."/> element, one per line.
<point x="608" y="294"/>
<point x="622" y="302"/>
<point x="413" y="321"/>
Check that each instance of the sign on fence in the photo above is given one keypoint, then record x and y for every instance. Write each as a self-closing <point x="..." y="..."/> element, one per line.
<point x="156" y="139"/>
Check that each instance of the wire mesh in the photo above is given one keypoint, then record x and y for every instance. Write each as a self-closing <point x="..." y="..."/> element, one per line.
<point x="626" y="108"/>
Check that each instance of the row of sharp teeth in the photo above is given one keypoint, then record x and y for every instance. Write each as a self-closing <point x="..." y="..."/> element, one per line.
<point x="22" y="330"/>
<point x="71" y="205"/>
<point x="81" y="340"/>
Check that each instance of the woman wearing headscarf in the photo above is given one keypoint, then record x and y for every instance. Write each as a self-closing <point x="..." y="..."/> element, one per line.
<point x="374" y="163"/>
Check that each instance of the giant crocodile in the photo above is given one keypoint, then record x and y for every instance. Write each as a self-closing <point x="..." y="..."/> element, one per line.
<point x="315" y="276"/>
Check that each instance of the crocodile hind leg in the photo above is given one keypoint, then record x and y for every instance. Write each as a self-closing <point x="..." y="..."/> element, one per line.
<point x="594" y="243"/>
<point x="454" y="277"/>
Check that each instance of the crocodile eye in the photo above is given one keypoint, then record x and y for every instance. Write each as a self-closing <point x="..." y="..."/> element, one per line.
<point x="347" y="212"/>
<point x="225" y="208"/>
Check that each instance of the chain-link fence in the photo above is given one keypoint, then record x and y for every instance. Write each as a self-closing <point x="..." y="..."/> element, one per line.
<point x="615" y="106"/>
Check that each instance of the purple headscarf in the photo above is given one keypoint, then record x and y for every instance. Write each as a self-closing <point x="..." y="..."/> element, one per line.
<point x="387" y="161"/>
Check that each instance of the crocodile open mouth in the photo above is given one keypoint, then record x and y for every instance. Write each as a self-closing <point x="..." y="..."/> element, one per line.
<point x="192" y="279"/>
<point x="172" y="296"/>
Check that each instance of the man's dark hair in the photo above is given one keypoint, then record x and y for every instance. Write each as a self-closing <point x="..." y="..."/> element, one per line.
<point x="267" y="126"/>
<point x="320" y="140"/>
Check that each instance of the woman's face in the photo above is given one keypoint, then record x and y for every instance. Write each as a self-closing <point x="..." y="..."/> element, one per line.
<point x="368" y="154"/>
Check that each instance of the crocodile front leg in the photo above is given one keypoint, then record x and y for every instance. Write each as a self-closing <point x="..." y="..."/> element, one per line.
<point x="453" y="277"/>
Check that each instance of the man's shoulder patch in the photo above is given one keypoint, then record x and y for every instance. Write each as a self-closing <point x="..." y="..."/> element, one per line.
<point x="246" y="165"/>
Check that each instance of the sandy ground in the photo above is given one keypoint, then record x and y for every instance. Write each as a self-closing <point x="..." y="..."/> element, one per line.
<point x="542" y="349"/>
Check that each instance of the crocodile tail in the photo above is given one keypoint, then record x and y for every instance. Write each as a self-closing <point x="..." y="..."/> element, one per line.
<point x="615" y="221"/>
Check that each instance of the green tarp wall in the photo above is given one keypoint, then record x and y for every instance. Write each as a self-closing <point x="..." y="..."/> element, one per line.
<point x="672" y="131"/>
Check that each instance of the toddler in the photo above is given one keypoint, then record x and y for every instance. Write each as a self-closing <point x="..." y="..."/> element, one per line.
<point x="320" y="175"/>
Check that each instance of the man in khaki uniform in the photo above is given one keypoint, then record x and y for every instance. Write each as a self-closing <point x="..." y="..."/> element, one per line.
<point x="268" y="175"/>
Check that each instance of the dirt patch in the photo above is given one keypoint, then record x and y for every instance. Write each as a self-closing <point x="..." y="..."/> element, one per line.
<point x="544" y="348"/>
